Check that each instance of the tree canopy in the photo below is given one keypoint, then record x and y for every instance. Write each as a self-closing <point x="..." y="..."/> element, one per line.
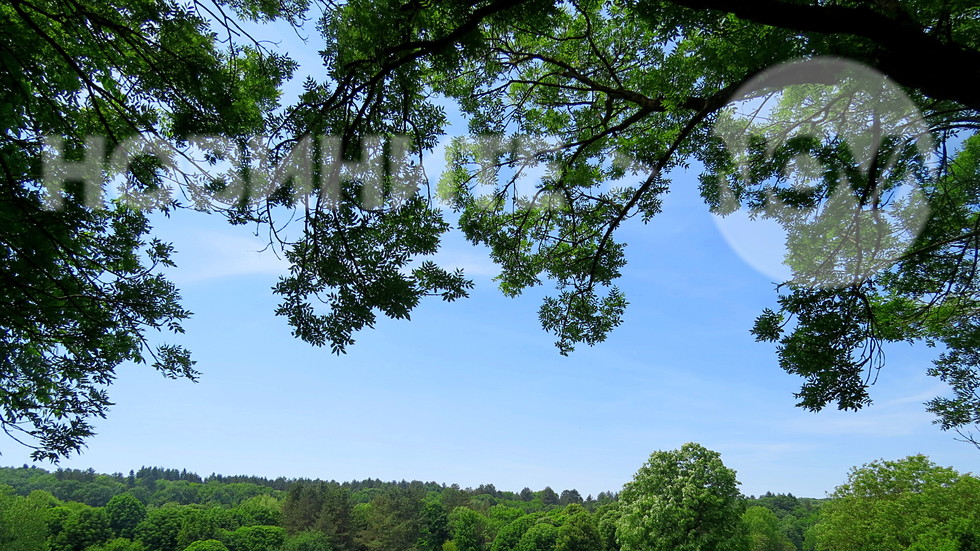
<point x="609" y="97"/>
<point x="81" y="283"/>
<point x="911" y="503"/>
<point x="683" y="499"/>
<point x="626" y="92"/>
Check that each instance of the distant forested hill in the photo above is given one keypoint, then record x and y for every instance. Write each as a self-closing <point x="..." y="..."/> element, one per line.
<point x="158" y="509"/>
<point x="908" y="504"/>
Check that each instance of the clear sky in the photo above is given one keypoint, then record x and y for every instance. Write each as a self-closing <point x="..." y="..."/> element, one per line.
<point x="475" y="392"/>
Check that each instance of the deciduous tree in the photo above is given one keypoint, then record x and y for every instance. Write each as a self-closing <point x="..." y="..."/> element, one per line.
<point x="125" y="513"/>
<point x="682" y="500"/>
<point x="578" y="532"/>
<point x="257" y="538"/>
<point x="510" y="535"/>
<point x="541" y="536"/>
<point x="764" y="531"/>
<point x="647" y="82"/>
<point x="160" y="529"/>
<point x="467" y="529"/>
<point x="23" y="522"/>
<point x="84" y="527"/>
<point x="81" y="284"/>
<point x="911" y="503"/>
<point x="608" y="521"/>
<point x="433" y="526"/>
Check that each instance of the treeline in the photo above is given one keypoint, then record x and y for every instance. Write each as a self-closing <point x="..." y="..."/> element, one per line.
<point x="157" y="509"/>
<point x="157" y="486"/>
<point x="910" y="504"/>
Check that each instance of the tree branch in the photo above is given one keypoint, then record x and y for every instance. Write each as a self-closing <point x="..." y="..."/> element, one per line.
<point x="903" y="49"/>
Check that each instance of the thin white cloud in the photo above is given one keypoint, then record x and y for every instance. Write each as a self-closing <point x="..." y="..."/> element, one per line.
<point x="880" y="420"/>
<point x="207" y="255"/>
<point x="473" y="264"/>
<point x="934" y="390"/>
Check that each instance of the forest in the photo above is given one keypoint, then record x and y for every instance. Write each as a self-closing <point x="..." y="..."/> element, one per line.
<point x="683" y="499"/>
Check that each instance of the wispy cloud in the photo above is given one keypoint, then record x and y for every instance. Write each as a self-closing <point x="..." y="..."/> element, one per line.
<point x="880" y="420"/>
<point x="929" y="393"/>
<point x="473" y="264"/>
<point x="208" y="255"/>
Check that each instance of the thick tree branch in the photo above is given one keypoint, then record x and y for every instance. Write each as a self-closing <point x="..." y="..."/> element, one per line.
<point x="902" y="49"/>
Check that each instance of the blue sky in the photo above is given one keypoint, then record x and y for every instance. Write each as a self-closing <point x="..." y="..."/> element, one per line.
<point x="475" y="392"/>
